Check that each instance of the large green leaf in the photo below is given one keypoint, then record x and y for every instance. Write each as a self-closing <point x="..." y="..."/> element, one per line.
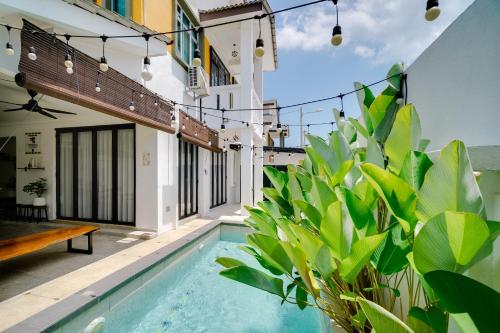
<point x="359" y="256"/>
<point x="361" y="214"/>
<point x="295" y="192"/>
<point x="415" y="166"/>
<point x="431" y="320"/>
<point x="373" y="153"/>
<point x="255" y="278"/>
<point x="383" y="112"/>
<point x="273" y="195"/>
<point x="325" y="153"/>
<point x="390" y="256"/>
<point x="310" y="212"/>
<point x="365" y="100"/>
<point x="397" y="194"/>
<point x="299" y="259"/>
<point x="450" y="185"/>
<point x="229" y="262"/>
<point x="278" y="179"/>
<point x="449" y="241"/>
<point x="359" y="128"/>
<point x="395" y="75"/>
<point x="461" y="294"/>
<point x="310" y="242"/>
<point x="271" y="251"/>
<point x="335" y="232"/>
<point x="321" y="194"/>
<point x="340" y="148"/>
<point x="325" y="262"/>
<point x="382" y="320"/>
<point x="404" y="137"/>
<point x="262" y="222"/>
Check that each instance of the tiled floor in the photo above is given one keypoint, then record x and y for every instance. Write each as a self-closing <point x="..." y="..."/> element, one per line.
<point x="54" y="274"/>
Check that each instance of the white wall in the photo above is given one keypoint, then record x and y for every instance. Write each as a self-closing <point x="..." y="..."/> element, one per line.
<point x="455" y="83"/>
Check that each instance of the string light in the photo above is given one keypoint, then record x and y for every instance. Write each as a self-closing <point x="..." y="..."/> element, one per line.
<point x="9" y="49"/>
<point x="146" y="67"/>
<point x="337" y="30"/>
<point x="259" y="43"/>
<point x="156" y="100"/>
<point x="197" y="58"/>
<point x="68" y="61"/>
<point x="278" y="126"/>
<point x="32" y="53"/>
<point x="131" y="106"/>
<point x="103" y="64"/>
<point x="97" y="84"/>
<point x="432" y="10"/>
<point x="341" y="113"/>
<point x="222" y="126"/>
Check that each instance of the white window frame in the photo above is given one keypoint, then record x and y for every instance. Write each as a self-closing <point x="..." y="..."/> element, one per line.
<point x="193" y="37"/>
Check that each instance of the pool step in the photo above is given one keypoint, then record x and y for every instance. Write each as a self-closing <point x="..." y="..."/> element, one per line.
<point x="137" y="234"/>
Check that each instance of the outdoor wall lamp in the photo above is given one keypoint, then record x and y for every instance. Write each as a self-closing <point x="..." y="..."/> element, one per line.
<point x="432" y="10"/>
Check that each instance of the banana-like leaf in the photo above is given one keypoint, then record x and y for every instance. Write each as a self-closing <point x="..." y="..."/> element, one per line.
<point x="299" y="260"/>
<point x="295" y="192"/>
<point x="431" y="320"/>
<point x="361" y="214"/>
<point x="415" y="166"/>
<point x="394" y="76"/>
<point x="271" y="208"/>
<point x="404" y="137"/>
<point x="423" y="144"/>
<point x="310" y="212"/>
<point x="324" y="262"/>
<point x="271" y="251"/>
<point x="262" y="222"/>
<point x="359" y="128"/>
<point x="382" y="107"/>
<point x="273" y="195"/>
<point x="278" y="179"/>
<point x="229" y="262"/>
<point x="309" y="242"/>
<point x="397" y="194"/>
<point x="460" y="294"/>
<point x="255" y="278"/>
<point x="340" y="148"/>
<point x="321" y="194"/>
<point x="335" y="232"/>
<point x="390" y="256"/>
<point x="365" y="100"/>
<point x="381" y="319"/>
<point x="450" y="185"/>
<point x="340" y="176"/>
<point x="301" y="297"/>
<point x="359" y="256"/>
<point x="325" y="155"/>
<point x="449" y="241"/>
<point x="373" y="153"/>
<point x="350" y="132"/>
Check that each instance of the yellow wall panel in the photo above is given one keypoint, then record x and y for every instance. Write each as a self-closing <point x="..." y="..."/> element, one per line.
<point x="159" y="16"/>
<point x="98" y="2"/>
<point x="206" y="54"/>
<point x="138" y="11"/>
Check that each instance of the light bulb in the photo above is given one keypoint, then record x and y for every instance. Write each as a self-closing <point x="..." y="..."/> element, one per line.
<point x="183" y="127"/>
<point x="9" y="50"/>
<point x="156" y="102"/>
<point x="399" y="99"/>
<point x="131" y="106"/>
<point x="209" y="142"/>
<point x="97" y="87"/>
<point x="67" y="61"/>
<point x="195" y="133"/>
<point x="69" y="70"/>
<point x="32" y="53"/>
<point x="103" y="65"/>
<point x="222" y="128"/>
<point x="432" y="10"/>
<point x="278" y="128"/>
<point x="336" y="35"/>
<point x="146" y="70"/>
<point x="196" y="58"/>
<point x="259" y="48"/>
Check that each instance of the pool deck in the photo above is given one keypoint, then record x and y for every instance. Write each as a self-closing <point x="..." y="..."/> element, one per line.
<point x="21" y="307"/>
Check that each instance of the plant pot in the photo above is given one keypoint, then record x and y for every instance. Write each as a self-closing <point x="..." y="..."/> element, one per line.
<point x="39" y="201"/>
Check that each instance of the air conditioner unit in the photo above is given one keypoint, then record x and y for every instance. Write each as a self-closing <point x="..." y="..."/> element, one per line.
<point x="198" y="81"/>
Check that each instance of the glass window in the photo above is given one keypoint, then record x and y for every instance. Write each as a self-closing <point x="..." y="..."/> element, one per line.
<point x="219" y="179"/>
<point x="122" y="7"/>
<point x="187" y="41"/>
<point x="188" y="179"/>
<point x="219" y="75"/>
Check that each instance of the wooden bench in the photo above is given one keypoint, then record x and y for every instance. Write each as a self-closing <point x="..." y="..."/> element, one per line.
<point x="15" y="247"/>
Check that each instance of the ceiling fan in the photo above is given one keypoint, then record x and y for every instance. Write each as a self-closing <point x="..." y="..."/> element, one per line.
<point x="32" y="106"/>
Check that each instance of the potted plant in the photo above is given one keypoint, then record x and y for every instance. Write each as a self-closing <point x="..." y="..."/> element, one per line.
<point x="371" y="231"/>
<point x="38" y="188"/>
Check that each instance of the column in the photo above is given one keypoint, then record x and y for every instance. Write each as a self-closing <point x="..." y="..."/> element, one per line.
<point x="247" y="161"/>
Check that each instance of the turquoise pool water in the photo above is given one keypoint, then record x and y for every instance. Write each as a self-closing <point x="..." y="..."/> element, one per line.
<point x="188" y="296"/>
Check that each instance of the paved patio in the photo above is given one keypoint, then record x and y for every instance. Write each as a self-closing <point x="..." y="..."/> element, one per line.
<point x="23" y="273"/>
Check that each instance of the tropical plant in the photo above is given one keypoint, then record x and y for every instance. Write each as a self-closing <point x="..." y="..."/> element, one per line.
<point x="372" y="231"/>
<point x="38" y="187"/>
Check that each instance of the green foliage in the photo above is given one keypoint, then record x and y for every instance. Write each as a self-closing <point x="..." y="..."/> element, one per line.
<point x="38" y="187"/>
<point x="367" y="211"/>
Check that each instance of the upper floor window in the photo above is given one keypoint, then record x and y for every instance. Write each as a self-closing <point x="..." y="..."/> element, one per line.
<point x="122" y="7"/>
<point x="219" y="75"/>
<point x="187" y="41"/>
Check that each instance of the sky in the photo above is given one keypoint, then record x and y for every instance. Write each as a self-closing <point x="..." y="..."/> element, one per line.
<point x="377" y="34"/>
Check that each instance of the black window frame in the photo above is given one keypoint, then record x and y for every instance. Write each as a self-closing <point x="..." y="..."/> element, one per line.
<point x="188" y="164"/>
<point x="114" y="158"/>
<point x="218" y="179"/>
<point x="219" y="74"/>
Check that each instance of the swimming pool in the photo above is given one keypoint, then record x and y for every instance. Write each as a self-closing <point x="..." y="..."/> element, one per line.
<point x="184" y="293"/>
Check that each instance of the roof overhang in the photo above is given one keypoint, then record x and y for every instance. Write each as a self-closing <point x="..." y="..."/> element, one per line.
<point x="245" y="10"/>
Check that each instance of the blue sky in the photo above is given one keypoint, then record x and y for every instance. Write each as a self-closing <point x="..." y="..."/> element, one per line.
<point x="377" y="34"/>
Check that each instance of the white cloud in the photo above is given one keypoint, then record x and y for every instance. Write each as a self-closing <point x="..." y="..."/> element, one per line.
<point x="383" y="31"/>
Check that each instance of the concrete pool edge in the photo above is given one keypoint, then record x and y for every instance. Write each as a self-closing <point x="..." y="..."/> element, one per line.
<point x="52" y="315"/>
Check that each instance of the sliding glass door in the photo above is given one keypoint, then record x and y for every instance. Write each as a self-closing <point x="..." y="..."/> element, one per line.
<point x="188" y="179"/>
<point x="219" y="179"/>
<point x="96" y="173"/>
